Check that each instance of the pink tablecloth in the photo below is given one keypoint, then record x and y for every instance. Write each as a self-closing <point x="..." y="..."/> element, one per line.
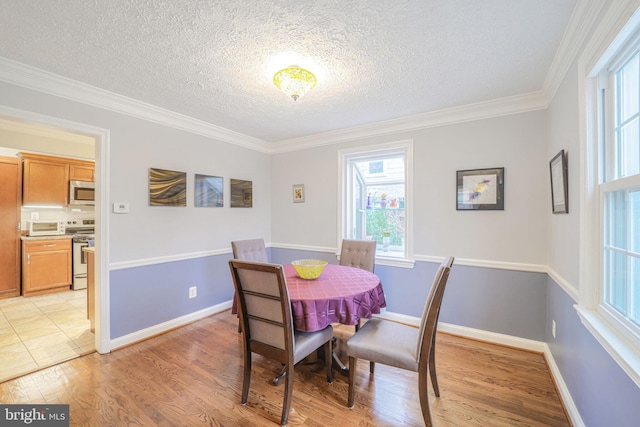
<point x="340" y="295"/>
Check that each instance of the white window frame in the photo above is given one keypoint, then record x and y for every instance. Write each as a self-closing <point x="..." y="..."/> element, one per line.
<point x="622" y="344"/>
<point x="345" y="197"/>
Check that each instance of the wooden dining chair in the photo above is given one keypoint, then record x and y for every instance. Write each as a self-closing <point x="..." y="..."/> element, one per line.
<point x="403" y="346"/>
<point x="267" y="324"/>
<point x="359" y="254"/>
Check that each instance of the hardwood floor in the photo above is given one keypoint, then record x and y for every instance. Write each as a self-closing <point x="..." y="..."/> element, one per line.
<point x="193" y="376"/>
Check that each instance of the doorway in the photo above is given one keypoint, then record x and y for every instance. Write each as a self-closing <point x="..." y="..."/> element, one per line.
<point x="36" y="123"/>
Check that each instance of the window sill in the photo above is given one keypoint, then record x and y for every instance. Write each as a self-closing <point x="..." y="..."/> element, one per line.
<point x="394" y="262"/>
<point x="625" y="353"/>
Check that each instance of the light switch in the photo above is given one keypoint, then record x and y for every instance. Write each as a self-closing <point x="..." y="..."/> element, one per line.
<point x="120" y="208"/>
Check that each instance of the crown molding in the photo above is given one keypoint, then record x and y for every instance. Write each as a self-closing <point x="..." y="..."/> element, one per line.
<point x="36" y="79"/>
<point x="481" y="110"/>
<point x="578" y="29"/>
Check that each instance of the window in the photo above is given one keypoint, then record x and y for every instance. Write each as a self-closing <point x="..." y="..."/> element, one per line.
<point x="375" y="197"/>
<point x="610" y="215"/>
<point x="620" y="193"/>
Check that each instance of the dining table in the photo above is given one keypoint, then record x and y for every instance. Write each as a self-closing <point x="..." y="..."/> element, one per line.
<point x="341" y="294"/>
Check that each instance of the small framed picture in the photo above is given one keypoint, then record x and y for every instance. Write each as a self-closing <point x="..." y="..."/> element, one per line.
<point x="208" y="191"/>
<point x="480" y="189"/>
<point x="559" y="183"/>
<point x="298" y="193"/>
<point x="241" y="193"/>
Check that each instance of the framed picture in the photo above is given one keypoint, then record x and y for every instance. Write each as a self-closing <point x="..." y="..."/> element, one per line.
<point x="167" y="188"/>
<point x="480" y="189"/>
<point x="298" y="193"/>
<point x="559" y="183"/>
<point x="241" y="193"/>
<point x="208" y="191"/>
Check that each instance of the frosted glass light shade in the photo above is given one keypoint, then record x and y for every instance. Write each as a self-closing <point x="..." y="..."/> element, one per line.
<point x="294" y="81"/>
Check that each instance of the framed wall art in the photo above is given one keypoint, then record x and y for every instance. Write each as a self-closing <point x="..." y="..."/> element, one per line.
<point x="480" y="189"/>
<point x="167" y="188"/>
<point x="208" y="191"/>
<point x="559" y="183"/>
<point x="241" y="193"/>
<point x="298" y="193"/>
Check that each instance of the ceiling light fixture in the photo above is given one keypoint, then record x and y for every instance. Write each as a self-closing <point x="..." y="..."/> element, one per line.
<point x="294" y="81"/>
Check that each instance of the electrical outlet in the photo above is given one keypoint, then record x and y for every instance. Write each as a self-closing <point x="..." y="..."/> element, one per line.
<point x="553" y="328"/>
<point x="193" y="292"/>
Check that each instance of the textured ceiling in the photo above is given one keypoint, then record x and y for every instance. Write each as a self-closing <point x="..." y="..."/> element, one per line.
<point x="214" y="60"/>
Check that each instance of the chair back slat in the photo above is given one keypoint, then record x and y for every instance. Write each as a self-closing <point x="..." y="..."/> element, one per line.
<point x="358" y="253"/>
<point x="431" y="311"/>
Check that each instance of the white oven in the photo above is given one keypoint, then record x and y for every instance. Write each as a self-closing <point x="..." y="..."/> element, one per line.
<point x="81" y="231"/>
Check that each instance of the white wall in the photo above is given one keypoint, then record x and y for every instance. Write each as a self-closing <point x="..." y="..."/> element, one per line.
<point x="564" y="229"/>
<point x="517" y="234"/>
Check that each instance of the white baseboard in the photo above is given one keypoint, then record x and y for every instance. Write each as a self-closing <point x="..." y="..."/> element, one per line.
<point x="168" y="325"/>
<point x="567" y="400"/>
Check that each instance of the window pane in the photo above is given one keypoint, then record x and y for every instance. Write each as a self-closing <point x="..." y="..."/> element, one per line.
<point x="383" y="209"/>
<point x="616" y="294"/>
<point x="634" y="277"/>
<point x="629" y="151"/>
<point x="615" y="213"/>
<point x="634" y="221"/>
<point x="629" y="89"/>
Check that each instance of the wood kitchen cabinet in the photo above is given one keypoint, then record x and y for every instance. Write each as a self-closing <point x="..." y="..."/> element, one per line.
<point x="45" y="180"/>
<point x="10" y="194"/>
<point x="46" y="266"/>
<point x="82" y="171"/>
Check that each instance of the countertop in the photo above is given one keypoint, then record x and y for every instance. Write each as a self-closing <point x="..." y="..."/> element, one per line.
<point x="58" y="237"/>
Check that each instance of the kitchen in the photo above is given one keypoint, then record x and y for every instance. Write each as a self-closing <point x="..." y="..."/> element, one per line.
<point x="43" y="296"/>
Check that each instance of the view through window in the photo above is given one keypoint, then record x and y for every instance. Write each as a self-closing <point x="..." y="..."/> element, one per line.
<point x="375" y="184"/>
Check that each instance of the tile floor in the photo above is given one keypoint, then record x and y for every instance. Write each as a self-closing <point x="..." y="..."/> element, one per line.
<point x="37" y="332"/>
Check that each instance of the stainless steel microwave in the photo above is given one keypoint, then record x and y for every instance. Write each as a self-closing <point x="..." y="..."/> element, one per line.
<point x="82" y="193"/>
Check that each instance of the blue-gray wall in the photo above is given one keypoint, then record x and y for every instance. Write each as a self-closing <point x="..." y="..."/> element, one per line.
<point x="603" y="393"/>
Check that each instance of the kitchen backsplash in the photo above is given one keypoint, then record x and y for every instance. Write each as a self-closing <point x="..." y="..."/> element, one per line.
<point x="86" y="212"/>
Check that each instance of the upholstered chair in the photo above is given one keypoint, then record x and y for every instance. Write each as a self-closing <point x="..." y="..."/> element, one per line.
<point x="403" y="346"/>
<point x="359" y="254"/>
<point x="249" y="250"/>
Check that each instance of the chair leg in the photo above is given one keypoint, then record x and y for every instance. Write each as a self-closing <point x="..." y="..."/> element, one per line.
<point x="352" y="377"/>
<point x="328" y="352"/>
<point x="372" y="367"/>
<point x="288" y="392"/>
<point x="239" y="326"/>
<point x="246" y="380"/>
<point x="423" y="386"/>
<point x="432" y="367"/>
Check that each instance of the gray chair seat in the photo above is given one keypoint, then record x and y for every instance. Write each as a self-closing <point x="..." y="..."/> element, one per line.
<point x="398" y="348"/>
